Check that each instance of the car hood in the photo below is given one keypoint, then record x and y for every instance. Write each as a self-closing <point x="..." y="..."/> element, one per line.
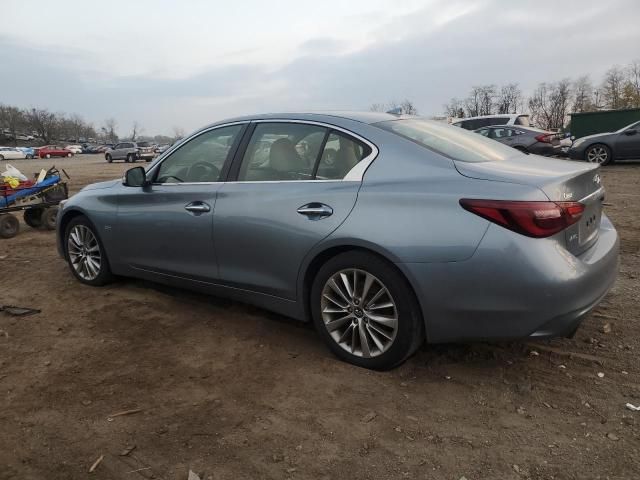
<point x="597" y="136"/>
<point x="99" y="185"/>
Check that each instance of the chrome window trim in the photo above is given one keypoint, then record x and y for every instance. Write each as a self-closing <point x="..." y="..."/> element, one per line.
<point x="356" y="174"/>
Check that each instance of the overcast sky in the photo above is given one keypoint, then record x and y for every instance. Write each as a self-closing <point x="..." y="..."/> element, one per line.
<point x="187" y="63"/>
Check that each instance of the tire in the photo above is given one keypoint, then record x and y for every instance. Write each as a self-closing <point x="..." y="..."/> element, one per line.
<point x="9" y="226"/>
<point x="390" y="347"/>
<point x="48" y="218"/>
<point x="29" y="157"/>
<point x="1" y="158"/>
<point x="79" y="226"/>
<point x="33" y="217"/>
<point x="598" y="153"/>
<point x="69" y="155"/>
<point x="131" y="158"/>
<point x="108" y="158"/>
<point x="48" y="155"/>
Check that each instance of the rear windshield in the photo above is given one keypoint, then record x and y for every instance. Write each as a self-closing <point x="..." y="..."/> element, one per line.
<point x="143" y="144"/>
<point x="523" y="120"/>
<point x="455" y="143"/>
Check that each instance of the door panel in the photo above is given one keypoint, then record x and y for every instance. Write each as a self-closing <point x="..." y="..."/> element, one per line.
<point x="156" y="232"/>
<point x="260" y="237"/>
<point x="628" y="146"/>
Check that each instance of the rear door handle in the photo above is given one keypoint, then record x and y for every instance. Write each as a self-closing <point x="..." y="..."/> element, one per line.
<point x="197" y="207"/>
<point x="315" y="211"/>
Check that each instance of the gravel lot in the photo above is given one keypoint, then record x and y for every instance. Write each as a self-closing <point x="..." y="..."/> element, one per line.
<point x="230" y="391"/>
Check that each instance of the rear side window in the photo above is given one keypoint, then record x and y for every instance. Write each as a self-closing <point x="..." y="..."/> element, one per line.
<point x="341" y="153"/>
<point x="455" y="143"/>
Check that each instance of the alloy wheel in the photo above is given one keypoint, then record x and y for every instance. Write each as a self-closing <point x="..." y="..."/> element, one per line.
<point x="359" y="313"/>
<point x="84" y="252"/>
<point x="597" y="155"/>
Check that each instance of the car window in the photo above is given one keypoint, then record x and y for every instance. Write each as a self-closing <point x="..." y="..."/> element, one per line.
<point x="484" y="132"/>
<point x="502" y="132"/>
<point x="282" y="151"/>
<point x="522" y="120"/>
<point x="201" y="159"/>
<point x="341" y="153"/>
<point x="454" y="143"/>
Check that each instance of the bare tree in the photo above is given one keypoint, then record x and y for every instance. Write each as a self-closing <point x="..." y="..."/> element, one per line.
<point x="136" y="129"/>
<point x="472" y="102"/>
<point x="487" y="98"/>
<point x="44" y="122"/>
<point x="109" y="130"/>
<point x="12" y="119"/>
<point x="178" y="133"/>
<point x="455" y="108"/>
<point x="612" y="86"/>
<point x="583" y="95"/>
<point x="631" y="90"/>
<point x="509" y="99"/>
<point x="406" y="107"/>
<point x="549" y="104"/>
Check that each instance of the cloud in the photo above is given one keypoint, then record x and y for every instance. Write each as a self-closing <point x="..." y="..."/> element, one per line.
<point x="435" y="52"/>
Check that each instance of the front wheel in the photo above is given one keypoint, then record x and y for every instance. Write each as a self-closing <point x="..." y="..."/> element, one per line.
<point x="29" y="157"/>
<point x="108" y="158"/>
<point x="598" y="154"/>
<point x="85" y="253"/>
<point x="48" y="155"/>
<point x="48" y="218"/>
<point x="69" y="154"/>
<point x="365" y="310"/>
<point x="33" y="217"/>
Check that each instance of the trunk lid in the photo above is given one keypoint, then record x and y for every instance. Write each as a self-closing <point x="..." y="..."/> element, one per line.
<point x="559" y="180"/>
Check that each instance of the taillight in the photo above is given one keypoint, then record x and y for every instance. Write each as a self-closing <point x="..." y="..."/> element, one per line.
<point x="533" y="219"/>
<point x="544" y="137"/>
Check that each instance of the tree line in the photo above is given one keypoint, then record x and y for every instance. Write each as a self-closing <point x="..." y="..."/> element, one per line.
<point x="49" y="127"/>
<point x="551" y="102"/>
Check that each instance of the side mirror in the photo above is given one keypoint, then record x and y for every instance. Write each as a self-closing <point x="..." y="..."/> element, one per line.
<point x="631" y="131"/>
<point x="135" y="177"/>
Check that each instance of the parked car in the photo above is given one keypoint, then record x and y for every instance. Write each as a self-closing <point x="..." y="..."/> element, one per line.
<point x="11" y="153"/>
<point x="162" y="148"/>
<point x="473" y="123"/>
<point x="49" y="151"/>
<point x="384" y="230"/>
<point x="605" y="148"/>
<point x="129" y="152"/>
<point x="104" y="148"/>
<point x="29" y="152"/>
<point x="146" y="151"/>
<point x="525" y="139"/>
<point x="24" y="137"/>
<point x="75" y="149"/>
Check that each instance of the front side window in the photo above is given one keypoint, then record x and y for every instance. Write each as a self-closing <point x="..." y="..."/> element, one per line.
<point x="201" y="159"/>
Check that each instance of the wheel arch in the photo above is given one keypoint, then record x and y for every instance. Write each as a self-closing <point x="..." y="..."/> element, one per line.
<point x="320" y="256"/>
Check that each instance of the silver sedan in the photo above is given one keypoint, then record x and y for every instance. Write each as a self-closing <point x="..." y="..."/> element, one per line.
<point x="383" y="230"/>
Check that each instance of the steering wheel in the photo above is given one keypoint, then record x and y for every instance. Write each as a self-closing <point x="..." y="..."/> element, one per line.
<point x="207" y="171"/>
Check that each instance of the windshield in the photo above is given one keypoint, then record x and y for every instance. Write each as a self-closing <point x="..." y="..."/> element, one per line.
<point x="455" y="143"/>
<point x="633" y="125"/>
<point x="143" y="144"/>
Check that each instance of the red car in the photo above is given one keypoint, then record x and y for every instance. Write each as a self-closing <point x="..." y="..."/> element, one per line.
<point x="49" y="151"/>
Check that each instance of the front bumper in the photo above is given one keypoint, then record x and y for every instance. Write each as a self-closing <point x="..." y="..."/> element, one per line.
<point x="576" y="153"/>
<point x="514" y="287"/>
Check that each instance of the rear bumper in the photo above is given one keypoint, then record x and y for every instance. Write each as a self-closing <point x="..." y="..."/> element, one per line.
<point x="545" y="149"/>
<point x="514" y="287"/>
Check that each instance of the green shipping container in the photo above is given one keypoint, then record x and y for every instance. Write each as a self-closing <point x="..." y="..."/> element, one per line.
<point x="588" y="123"/>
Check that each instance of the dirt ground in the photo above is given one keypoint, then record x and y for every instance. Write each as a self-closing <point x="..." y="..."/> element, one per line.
<point x="233" y="392"/>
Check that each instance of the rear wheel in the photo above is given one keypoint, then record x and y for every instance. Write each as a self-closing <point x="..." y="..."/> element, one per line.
<point x="9" y="226"/>
<point x="69" y="154"/>
<point x="48" y="218"/>
<point x="598" y="153"/>
<point x="48" y="155"/>
<point x="85" y="253"/>
<point x="29" y="157"/>
<point x="131" y="158"/>
<point x="365" y="311"/>
<point x="108" y="158"/>
<point x="33" y="217"/>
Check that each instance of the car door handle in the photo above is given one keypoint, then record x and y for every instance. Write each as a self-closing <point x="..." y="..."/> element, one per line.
<point x="197" y="207"/>
<point x="315" y="211"/>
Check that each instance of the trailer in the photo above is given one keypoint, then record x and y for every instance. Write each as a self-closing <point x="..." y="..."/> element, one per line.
<point x="38" y="200"/>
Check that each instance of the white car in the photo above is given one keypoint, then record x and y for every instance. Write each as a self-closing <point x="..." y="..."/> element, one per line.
<point x="74" y="149"/>
<point x="473" y="123"/>
<point x="10" y="153"/>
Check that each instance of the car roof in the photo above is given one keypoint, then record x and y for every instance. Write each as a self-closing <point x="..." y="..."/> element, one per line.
<point x="324" y="116"/>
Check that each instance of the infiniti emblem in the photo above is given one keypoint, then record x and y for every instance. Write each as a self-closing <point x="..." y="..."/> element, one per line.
<point x="596" y="179"/>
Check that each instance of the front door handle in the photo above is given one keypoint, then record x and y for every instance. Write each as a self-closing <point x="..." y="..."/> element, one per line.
<point x="315" y="211"/>
<point x="197" y="207"/>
